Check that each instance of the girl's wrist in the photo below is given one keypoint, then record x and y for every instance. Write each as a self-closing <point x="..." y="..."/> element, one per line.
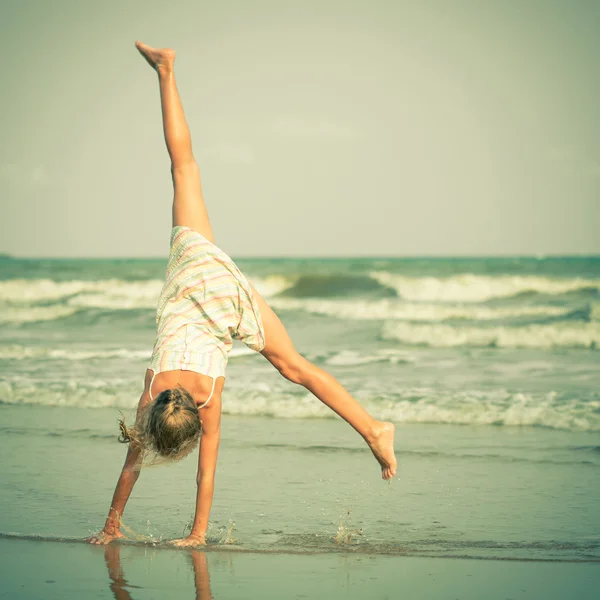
<point x="113" y="519"/>
<point x="198" y="534"/>
<point x="111" y="525"/>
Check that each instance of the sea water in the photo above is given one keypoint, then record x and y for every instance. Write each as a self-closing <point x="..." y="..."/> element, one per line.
<point x="490" y="369"/>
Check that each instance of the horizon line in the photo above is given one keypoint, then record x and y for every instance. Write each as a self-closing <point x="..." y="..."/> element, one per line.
<point x="539" y="256"/>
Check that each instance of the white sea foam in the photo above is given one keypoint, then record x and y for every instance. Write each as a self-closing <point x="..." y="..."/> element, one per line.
<point x="569" y="334"/>
<point x="31" y="300"/>
<point x="392" y="308"/>
<point x="272" y="285"/>
<point x="26" y="301"/>
<point x="32" y="314"/>
<point x="105" y="293"/>
<point x="351" y="358"/>
<point x="410" y="405"/>
<point x="492" y="408"/>
<point x="18" y="352"/>
<point x="70" y="393"/>
<point x="477" y="288"/>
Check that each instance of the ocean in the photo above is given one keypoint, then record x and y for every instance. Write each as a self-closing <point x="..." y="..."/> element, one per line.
<point x="489" y="367"/>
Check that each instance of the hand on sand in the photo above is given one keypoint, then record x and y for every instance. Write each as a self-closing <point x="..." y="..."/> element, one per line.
<point x="191" y="541"/>
<point x="104" y="537"/>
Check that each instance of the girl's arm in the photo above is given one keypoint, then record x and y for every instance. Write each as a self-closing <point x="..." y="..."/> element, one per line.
<point x="129" y="475"/>
<point x="207" y="464"/>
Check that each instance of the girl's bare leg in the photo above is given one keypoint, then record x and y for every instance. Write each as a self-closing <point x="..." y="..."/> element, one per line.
<point x="280" y="352"/>
<point x="189" y="210"/>
<point x="188" y="203"/>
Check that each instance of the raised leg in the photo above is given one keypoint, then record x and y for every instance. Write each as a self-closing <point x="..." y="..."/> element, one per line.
<point x="189" y="208"/>
<point x="280" y="352"/>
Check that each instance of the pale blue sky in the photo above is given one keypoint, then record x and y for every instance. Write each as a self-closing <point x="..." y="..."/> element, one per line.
<point x="321" y="128"/>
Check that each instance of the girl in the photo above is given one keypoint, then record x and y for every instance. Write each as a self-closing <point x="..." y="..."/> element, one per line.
<point x="205" y="303"/>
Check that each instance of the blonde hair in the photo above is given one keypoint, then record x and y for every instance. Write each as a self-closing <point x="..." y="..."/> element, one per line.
<point x="166" y="430"/>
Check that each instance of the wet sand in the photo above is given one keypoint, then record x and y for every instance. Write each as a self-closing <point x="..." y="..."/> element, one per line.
<point x="42" y="569"/>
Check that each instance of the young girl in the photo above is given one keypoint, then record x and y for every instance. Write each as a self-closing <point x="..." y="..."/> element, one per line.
<point x="205" y="303"/>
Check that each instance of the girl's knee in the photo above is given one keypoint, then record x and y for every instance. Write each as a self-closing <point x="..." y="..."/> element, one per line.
<point x="296" y="369"/>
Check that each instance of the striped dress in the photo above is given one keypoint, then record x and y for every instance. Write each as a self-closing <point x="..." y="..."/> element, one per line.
<point x="205" y="303"/>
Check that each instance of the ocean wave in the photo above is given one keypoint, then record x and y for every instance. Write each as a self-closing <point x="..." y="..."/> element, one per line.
<point x="470" y="407"/>
<point x="378" y="296"/>
<point x="105" y="293"/>
<point x="392" y="308"/>
<point x="335" y="285"/>
<point x="29" y="301"/>
<point x="34" y="314"/>
<point x="498" y="408"/>
<point x="272" y="285"/>
<point x="108" y="293"/>
<point x="18" y="352"/>
<point x="409" y="405"/>
<point x="351" y="358"/>
<point x="479" y="288"/>
<point x="456" y="288"/>
<point x="568" y="334"/>
<point x="359" y="310"/>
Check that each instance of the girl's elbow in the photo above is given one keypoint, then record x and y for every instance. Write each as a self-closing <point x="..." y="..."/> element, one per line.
<point x="205" y="478"/>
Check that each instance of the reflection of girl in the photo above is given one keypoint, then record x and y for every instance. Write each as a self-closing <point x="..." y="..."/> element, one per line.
<point x="201" y="577"/>
<point x="119" y="585"/>
<point x="205" y="303"/>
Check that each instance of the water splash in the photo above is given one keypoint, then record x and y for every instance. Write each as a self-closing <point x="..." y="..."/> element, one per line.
<point x="226" y="534"/>
<point x="139" y="537"/>
<point x="346" y="536"/>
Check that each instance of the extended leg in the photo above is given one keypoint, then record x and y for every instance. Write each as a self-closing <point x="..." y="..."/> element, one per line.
<point x="280" y="352"/>
<point x="188" y="203"/>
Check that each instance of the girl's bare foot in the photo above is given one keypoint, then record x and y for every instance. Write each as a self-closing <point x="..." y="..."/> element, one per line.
<point x="382" y="447"/>
<point x="158" y="58"/>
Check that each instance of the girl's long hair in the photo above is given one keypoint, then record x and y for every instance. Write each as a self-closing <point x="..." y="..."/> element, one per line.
<point x="166" y="430"/>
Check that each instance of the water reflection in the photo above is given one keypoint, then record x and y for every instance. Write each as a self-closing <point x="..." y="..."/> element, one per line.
<point x="120" y="587"/>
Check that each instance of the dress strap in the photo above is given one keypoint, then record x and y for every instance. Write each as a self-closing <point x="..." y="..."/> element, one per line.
<point x="150" y="388"/>
<point x="212" y="391"/>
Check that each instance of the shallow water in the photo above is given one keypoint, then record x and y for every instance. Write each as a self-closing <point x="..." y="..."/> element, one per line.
<point x="310" y="485"/>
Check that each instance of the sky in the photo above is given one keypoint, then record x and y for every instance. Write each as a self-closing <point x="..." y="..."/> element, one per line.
<point x="322" y="128"/>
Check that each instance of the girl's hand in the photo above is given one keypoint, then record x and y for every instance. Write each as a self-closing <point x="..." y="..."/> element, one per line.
<point x="191" y="541"/>
<point x="106" y="536"/>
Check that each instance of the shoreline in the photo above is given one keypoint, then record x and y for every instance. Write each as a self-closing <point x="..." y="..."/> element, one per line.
<point x="348" y="549"/>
